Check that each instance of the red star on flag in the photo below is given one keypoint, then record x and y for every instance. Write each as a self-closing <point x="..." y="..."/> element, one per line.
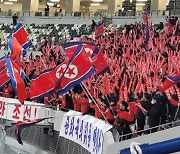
<point x="61" y="70"/>
<point x="71" y="72"/>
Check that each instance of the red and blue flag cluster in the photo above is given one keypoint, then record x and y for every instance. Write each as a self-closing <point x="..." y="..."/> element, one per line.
<point x="17" y="75"/>
<point x="17" y="44"/>
<point x="82" y="59"/>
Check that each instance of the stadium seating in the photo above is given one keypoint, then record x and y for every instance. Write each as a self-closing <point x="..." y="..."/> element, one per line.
<point x="38" y="32"/>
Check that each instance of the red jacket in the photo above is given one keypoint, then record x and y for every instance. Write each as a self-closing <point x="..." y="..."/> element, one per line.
<point x="63" y="104"/>
<point x="76" y="102"/>
<point x="84" y="105"/>
<point x="122" y="115"/>
<point x="108" y="114"/>
<point x="7" y="92"/>
<point x="132" y="112"/>
<point x="98" y="113"/>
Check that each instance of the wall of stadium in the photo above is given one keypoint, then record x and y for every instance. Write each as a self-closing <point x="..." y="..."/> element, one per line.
<point x="108" y="144"/>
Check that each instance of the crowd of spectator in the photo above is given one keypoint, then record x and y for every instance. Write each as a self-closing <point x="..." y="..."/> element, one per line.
<point x="129" y="90"/>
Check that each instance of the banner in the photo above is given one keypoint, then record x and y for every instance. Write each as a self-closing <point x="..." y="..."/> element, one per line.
<point x="12" y="109"/>
<point x="85" y="130"/>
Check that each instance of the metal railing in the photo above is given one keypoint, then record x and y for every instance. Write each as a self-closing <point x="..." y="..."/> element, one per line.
<point x="149" y="130"/>
<point x="86" y="14"/>
<point x="2" y="139"/>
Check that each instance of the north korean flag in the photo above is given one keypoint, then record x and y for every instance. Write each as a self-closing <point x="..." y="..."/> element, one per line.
<point x="43" y="84"/>
<point x="169" y="82"/>
<point x="79" y="68"/>
<point x="99" y="29"/>
<point x="5" y="78"/>
<point x="50" y="77"/>
<point x="20" y="125"/>
<point x="145" y="18"/>
<point x="100" y="63"/>
<point x="63" y="77"/>
<point x="15" y="48"/>
<point x="92" y="52"/>
<point x="22" y="37"/>
<point x="4" y="74"/>
<point x="17" y="76"/>
<point x="90" y="48"/>
<point x="2" y="63"/>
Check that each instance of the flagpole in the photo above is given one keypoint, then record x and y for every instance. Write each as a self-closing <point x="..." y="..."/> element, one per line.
<point x="88" y="93"/>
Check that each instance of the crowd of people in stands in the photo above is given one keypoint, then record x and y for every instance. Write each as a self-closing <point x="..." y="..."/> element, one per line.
<point x="129" y="91"/>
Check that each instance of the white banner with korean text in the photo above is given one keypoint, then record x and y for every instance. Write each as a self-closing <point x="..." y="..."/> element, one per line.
<point x="85" y="130"/>
<point x="12" y="109"/>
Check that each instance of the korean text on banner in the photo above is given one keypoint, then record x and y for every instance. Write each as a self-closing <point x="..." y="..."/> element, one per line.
<point x="12" y="109"/>
<point x="85" y="130"/>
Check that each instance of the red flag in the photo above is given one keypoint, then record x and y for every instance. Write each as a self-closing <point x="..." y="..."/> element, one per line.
<point x="145" y="18"/>
<point x="38" y="89"/>
<point x="78" y="69"/>
<point x="16" y="75"/>
<point x="92" y="52"/>
<point x="21" y="125"/>
<point x="169" y="82"/>
<point x="100" y="63"/>
<point x="5" y="78"/>
<point x="22" y="37"/>
<point x="99" y="29"/>
<point x="15" y="48"/>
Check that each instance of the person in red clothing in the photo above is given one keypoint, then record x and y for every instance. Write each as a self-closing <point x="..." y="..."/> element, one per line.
<point x="121" y="123"/>
<point x="109" y="115"/>
<point x="132" y="112"/>
<point x="63" y="102"/>
<point x="99" y="109"/>
<point x="27" y="94"/>
<point x="8" y="91"/>
<point x="76" y="101"/>
<point x="85" y="104"/>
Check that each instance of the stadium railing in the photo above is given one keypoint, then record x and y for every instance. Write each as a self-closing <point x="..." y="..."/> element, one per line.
<point x="134" y="134"/>
<point x="87" y="14"/>
<point x="2" y="139"/>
